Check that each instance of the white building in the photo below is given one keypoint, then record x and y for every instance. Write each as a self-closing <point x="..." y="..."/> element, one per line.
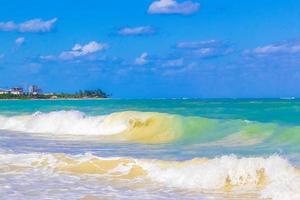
<point x="16" y="91"/>
<point x="2" y="91"/>
<point x="34" y="90"/>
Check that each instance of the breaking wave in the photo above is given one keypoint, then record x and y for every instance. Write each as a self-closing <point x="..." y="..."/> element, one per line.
<point x="151" y="127"/>
<point x="129" y="126"/>
<point x="272" y="177"/>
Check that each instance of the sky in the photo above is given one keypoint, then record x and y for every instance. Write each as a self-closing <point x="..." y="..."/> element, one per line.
<point x="153" y="48"/>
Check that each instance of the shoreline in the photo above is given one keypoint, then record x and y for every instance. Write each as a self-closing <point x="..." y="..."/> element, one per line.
<point x="57" y="99"/>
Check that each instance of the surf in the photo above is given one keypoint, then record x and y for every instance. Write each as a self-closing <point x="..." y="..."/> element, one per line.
<point x="128" y="126"/>
<point x="151" y="128"/>
<point x="272" y="177"/>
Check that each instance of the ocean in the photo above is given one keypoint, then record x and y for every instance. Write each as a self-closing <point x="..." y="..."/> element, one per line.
<point x="150" y="149"/>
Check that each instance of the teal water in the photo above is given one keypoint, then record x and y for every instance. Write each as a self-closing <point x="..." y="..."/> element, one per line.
<point x="264" y="110"/>
<point x="226" y="117"/>
<point x="236" y="136"/>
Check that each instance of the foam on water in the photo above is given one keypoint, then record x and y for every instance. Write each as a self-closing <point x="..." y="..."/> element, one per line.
<point x="213" y="149"/>
<point x="132" y="126"/>
<point x="271" y="177"/>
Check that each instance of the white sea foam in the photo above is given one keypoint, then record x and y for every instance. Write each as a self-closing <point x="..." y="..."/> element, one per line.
<point x="272" y="177"/>
<point x="64" y="122"/>
<point x="145" y="127"/>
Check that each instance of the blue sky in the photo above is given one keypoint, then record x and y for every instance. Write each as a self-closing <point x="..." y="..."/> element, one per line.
<point x="153" y="48"/>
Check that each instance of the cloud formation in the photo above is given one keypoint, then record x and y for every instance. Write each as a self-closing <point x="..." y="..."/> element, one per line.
<point x="279" y="48"/>
<point x="278" y="55"/>
<point x="142" y="59"/>
<point x="198" y="44"/>
<point x="19" y="41"/>
<point x="78" y="51"/>
<point x="205" y="48"/>
<point x="173" y="7"/>
<point x="30" y="26"/>
<point x="140" y="30"/>
<point x="82" y="50"/>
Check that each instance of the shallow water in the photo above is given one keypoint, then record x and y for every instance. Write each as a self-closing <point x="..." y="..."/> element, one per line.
<point x="150" y="149"/>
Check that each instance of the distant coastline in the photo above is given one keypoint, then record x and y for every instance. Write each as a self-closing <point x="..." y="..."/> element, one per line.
<point x="81" y="95"/>
<point x="49" y="99"/>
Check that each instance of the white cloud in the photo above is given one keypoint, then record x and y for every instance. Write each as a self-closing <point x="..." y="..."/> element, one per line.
<point x="82" y="50"/>
<point x="140" y="30"/>
<point x="284" y="48"/>
<point x="205" y="48"/>
<point x="281" y="48"/>
<point x="19" y="41"/>
<point x="203" y="52"/>
<point x="198" y="44"/>
<point x="8" y="26"/>
<point x="173" y="7"/>
<point x="32" y="26"/>
<point x="48" y="58"/>
<point x="142" y="59"/>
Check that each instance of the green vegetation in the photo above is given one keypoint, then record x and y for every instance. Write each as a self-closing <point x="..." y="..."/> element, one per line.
<point x="98" y="93"/>
<point x="82" y="94"/>
<point x="14" y="96"/>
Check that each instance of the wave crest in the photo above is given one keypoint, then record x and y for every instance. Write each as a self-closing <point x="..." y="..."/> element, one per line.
<point x="143" y="127"/>
<point x="152" y="128"/>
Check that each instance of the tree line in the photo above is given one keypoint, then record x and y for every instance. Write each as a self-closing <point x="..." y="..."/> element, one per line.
<point x="97" y="93"/>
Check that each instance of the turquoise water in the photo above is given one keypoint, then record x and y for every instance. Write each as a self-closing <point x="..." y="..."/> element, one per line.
<point x="230" y="145"/>
<point x="265" y="110"/>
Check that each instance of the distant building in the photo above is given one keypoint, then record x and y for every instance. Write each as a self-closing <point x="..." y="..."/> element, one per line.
<point x="34" y="90"/>
<point x="3" y="91"/>
<point x="16" y="91"/>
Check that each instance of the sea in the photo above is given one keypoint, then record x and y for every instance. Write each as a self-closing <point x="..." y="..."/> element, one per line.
<point x="207" y="149"/>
